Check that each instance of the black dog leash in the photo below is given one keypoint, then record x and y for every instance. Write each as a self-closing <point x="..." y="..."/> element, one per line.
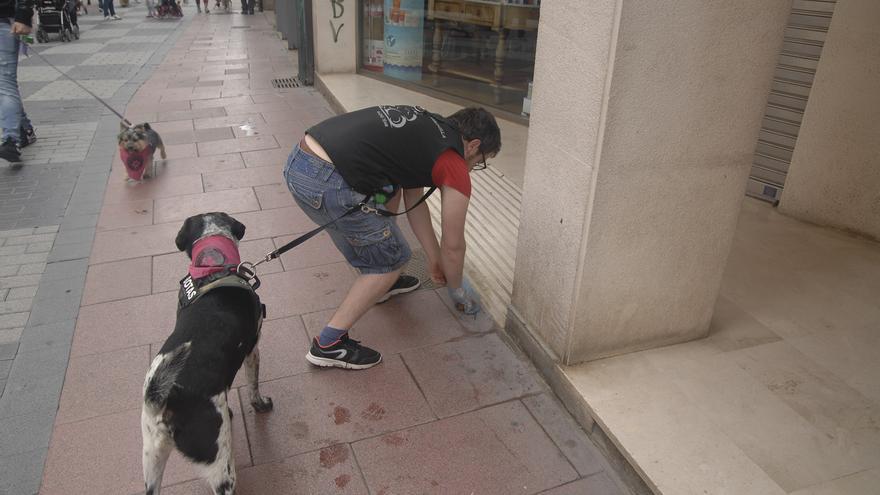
<point x="250" y="269"/>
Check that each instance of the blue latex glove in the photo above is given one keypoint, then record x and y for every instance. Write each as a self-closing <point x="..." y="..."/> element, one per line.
<point x="465" y="298"/>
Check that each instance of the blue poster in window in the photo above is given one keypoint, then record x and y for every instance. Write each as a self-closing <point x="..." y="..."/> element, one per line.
<point x="404" y="28"/>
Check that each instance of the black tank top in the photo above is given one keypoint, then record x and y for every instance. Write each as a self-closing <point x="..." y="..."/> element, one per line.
<point x="386" y="145"/>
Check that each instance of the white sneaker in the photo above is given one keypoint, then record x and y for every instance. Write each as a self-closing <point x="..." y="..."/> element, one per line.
<point x="117" y="18"/>
<point x="106" y="17"/>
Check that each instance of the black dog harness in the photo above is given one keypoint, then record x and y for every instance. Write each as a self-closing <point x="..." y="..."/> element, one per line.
<point x="192" y="289"/>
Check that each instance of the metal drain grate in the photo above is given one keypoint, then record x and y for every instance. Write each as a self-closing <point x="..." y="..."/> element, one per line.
<point x="287" y="82"/>
<point x="418" y="267"/>
<point x="241" y="27"/>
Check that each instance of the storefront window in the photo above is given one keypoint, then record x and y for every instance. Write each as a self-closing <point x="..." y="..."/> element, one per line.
<point x="479" y="50"/>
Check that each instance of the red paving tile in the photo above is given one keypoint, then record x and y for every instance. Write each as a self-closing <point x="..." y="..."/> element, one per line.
<point x="102" y="384"/>
<point x="248" y="177"/>
<point x="186" y="166"/>
<point x="405" y="322"/>
<point x="117" y="280"/>
<point x="220" y="102"/>
<point x="237" y="145"/>
<point x="122" y="324"/>
<point x="275" y="222"/>
<point x="120" y="244"/>
<point x="175" y="126"/>
<point x="305" y="291"/>
<point x="231" y="121"/>
<point x="267" y="158"/>
<point x="181" y="207"/>
<point x="111" y="445"/>
<point x="163" y="186"/>
<point x="283" y="346"/>
<point x="274" y="196"/>
<point x="282" y="130"/>
<point x="129" y="214"/>
<point x="329" y="470"/>
<point x="496" y="450"/>
<point x="181" y="150"/>
<point x="316" y="410"/>
<point x="471" y="373"/>
<point x="317" y="251"/>
<point x="201" y="113"/>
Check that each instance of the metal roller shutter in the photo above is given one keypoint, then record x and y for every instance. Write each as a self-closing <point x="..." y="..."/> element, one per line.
<point x="804" y="36"/>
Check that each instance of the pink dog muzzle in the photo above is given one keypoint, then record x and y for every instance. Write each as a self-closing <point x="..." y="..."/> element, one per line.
<point x="213" y="254"/>
<point x="136" y="161"/>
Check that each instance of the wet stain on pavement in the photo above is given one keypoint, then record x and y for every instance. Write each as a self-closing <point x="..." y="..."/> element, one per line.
<point x="333" y="455"/>
<point x="394" y="439"/>
<point x="341" y="415"/>
<point x="342" y="480"/>
<point x="374" y="412"/>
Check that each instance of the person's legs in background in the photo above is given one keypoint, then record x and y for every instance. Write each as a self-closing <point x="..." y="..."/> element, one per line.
<point x="11" y="109"/>
<point x="109" y="10"/>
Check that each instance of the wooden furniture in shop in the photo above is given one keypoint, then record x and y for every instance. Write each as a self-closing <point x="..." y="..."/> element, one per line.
<point x="498" y="15"/>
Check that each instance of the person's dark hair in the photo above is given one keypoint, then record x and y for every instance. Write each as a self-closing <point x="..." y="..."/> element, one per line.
<point x="478" y="123"/>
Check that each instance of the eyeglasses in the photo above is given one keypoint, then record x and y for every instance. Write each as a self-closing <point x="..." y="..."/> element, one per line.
<point x="481" y="165"/>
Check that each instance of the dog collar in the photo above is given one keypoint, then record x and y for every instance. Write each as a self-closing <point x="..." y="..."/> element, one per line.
<point x="213" y="254"/>
<point x="135" y="161"/>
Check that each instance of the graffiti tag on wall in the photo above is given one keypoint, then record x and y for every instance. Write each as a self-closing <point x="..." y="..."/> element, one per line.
<point x="338" y="10"/>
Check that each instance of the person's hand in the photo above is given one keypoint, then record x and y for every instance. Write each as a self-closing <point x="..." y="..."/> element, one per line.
<point x="437" y="275"/>
<point x="20" y="28"/>
<point x="465" y="298"/>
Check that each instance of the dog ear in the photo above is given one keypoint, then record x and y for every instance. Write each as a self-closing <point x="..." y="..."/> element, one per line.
<point x="122" y="127"/>
<point x="185" y="235"/>
<point x="147" y="127"/>
<point x="238" y="228"/>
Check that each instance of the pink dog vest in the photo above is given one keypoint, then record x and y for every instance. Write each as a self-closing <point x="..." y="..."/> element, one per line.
<point x="136" y="161"/>
<point x="213" y="254"/>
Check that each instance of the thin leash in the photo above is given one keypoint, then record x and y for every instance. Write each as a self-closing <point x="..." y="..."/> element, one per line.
<point x="74" y="81"/>
<point x="248" y="270"/>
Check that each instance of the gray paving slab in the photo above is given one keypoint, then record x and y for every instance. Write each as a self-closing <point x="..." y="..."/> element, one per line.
<point x="22" y="473"/>
<point x="66" y="269"/>
<point x="113" y="71"/>
<point x="59" y="190"/>
<point x="128" y="47"/>
<point x="26" y="433"/>
<point x="39" y="338"/>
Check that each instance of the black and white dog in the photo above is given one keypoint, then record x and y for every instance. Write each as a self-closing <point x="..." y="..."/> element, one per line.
<point x="218" y="325"/>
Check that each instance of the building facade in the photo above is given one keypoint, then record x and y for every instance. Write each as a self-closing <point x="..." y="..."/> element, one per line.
<point x="635" y="130"/>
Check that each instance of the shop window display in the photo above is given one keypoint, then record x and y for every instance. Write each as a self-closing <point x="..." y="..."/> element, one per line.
<point x="479" y="50"/>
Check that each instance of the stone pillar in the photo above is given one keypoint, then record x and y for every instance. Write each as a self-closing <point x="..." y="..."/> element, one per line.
<point x="834" y="177"/>
<point x="335" y="23"/>
<point x="644" y="121"/>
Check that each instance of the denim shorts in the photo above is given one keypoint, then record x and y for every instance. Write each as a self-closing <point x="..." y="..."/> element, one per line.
<point x="370" y="242"/>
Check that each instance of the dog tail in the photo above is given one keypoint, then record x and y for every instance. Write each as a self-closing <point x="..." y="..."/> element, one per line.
<point x="163" y="377"/>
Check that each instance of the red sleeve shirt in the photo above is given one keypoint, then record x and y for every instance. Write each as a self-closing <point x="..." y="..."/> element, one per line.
<point x="451" y="170"/>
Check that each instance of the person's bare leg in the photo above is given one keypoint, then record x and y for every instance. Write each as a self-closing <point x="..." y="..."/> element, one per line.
<point x="361" y="297"/>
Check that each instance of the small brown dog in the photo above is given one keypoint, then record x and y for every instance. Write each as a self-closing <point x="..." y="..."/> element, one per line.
<point x="137" y="145"/>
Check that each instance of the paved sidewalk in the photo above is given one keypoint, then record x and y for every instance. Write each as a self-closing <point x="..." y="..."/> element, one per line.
<point x="48" y="212"/>
<point x="452" y="409"/>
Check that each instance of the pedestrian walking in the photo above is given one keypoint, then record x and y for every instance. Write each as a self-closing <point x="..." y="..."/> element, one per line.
<point x="15" y="20"/>
<point x="372" y="157"/>
<point x="109" y="11"/>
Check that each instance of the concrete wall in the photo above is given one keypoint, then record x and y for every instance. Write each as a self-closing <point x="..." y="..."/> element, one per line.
<point x="335" y="23"/>
<point x="644" y="122"/>
<point x="834" y="178"/>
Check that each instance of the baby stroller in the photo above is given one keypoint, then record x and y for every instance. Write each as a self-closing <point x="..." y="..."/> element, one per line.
<point x="168" y="8"/>
<point x="57" y="16"/>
